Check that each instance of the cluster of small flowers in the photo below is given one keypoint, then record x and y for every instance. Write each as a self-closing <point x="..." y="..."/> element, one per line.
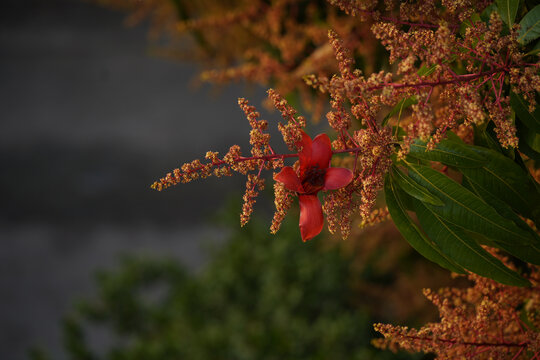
<point x="370" y="146"/>
<point x="292" y="130"/>
<point x="422" y="44"/>
<point x="266" y="42"/>
<point x="220" y="20"/>
<point x="527" y="82"/>
<point x="486" y="321"/>
<point x="339" y="207"/>
<point x="489" y="57"/>
<point x="253" y="182"/>
<point x="359" y="9"/>
<point x="283" y="200"/>
<point x="290" y="29"/>
<point x="377" y="216"/>
<point x="262" y="156"/>
<point x="257" y="138"/>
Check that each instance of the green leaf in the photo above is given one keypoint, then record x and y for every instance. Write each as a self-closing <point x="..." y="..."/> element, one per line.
<point x="506" y="180"/>
<point x="398" y="109"/>
<point x="464" y="250"/>
<point x="530" y="254"/>
<point x="533" y="140"/>
<point x="535" y="50"/>
<point x="508" y="10"/>
<point x="411" y="232"/>
<point x="483" y="138"/>
<point x="428" y="70"/>
<point x="464" y="208"/>
<point x="451" y="136"/>
<point x="413" y="189"/>
<point x="530" y="26"/>
<point x="449" y="153"/>
<point x="485" y="15"/>
<point x="521" y="108"/>
<point x="398" y="132"/>
<point x="527" y="150"/>
<point x="500" y="206"/>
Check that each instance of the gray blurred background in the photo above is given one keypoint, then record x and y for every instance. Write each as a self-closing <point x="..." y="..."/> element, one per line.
<point x="88" y="121"/>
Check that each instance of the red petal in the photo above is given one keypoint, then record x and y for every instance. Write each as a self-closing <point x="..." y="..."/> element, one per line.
<point x="305" y="154"/>
<point x="287" y="176"/>
<point x="336" y="178"/>
<point x="321" y="151"/>
<point x="311" y="216"/>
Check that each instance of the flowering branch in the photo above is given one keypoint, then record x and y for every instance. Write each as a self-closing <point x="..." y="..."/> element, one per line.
<point x="491" y="319"/>
<point x="452" y="81"/>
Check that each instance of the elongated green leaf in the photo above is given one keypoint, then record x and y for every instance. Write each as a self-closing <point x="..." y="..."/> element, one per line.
<point x="521" y="108"/>
<point x="449" y="153"/>
<point x="462" y="249"/>
<point x="426" y="70"/>
<point x="530" y="26"/>
<point x="451" y="136"/>
<point x="508" y="10"/>
<point x="506" y="180"/>
<point x="413" y="189"/>
<point x="464" y="208"/>
<point x="410" y="231"/>
<point x="528" y="253"/>
<point x="533" y="140"/>
<point x="527" y="150"/>
<point x="502" y="208"/>
<point x="398" y="109"/>
<point x="535" y="50"/>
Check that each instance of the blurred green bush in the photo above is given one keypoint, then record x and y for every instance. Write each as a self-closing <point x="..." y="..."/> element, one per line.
<point x="260" y="297"/>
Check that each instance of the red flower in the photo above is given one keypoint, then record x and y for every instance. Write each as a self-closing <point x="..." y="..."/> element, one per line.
<point x="314" y="174"/>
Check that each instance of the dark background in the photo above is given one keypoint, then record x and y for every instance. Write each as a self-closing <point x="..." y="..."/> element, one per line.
<point x="88" y="121"/>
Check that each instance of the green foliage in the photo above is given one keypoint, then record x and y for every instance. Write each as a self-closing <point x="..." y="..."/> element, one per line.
<point x="458" y="218"/>
<point x="413" y="189"/>
<point x="411" y="232"/>
<point x="508" y="10"/>
<point x="530" y="26"/>
<point x="454" y="242"/>
<point x="398" y="109"/>
<point x="261" y="297"/>
<point x="528" y="126"/>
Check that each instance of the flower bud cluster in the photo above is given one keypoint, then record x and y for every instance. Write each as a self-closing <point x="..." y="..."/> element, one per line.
<point x="292" y="130"/>
<point x="339" y="207"/>
<point x="253" y="183"/>
<point x="283" y="200"/>
<point x="488" y="320"/>
<point x="257" y="137"/>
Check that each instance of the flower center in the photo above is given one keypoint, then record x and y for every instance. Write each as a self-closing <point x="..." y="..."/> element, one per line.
<point x="313" y="180"/>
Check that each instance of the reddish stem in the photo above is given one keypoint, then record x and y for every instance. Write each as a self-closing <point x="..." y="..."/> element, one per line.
<point x="459" y="78"/>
